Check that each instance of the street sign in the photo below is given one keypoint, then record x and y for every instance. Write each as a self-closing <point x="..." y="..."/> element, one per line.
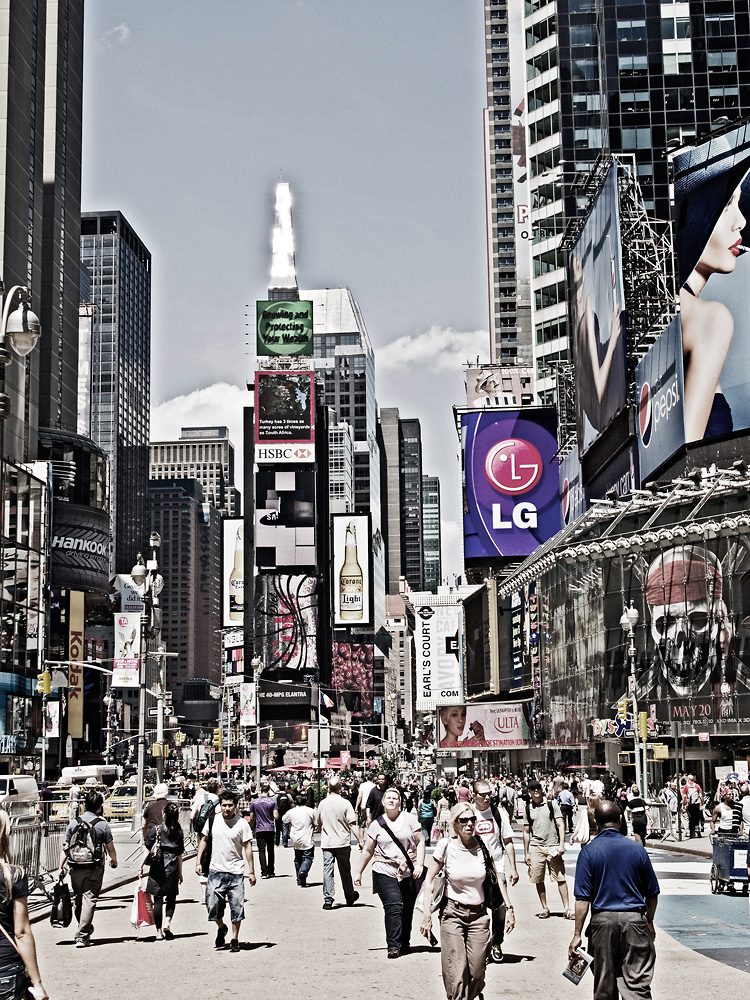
<point x="153" y="713"/>
<point x="661" y="752"/>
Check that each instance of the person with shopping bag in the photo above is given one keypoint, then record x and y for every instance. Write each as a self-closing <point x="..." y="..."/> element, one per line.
<point x="469" y="893"/>
<point x="17" y="947"/>
<point x="162" y="852"/>
<point x="397" y="842"/>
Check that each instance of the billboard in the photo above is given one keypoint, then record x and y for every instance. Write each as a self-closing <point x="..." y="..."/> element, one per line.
<point x="597" y="316"/>
<point x="488" y="726"/>
<point x="511" y="486"/>
<point x="248" y="714"/>
<point x="573" y="500"/>
<point x="352" y="675"/>
<point x="79" y="548"/>
<point x="286" y="612"/>
<point x="233" y="573"/>
<point x="125" y="666"/>
<point x="351" y="577"/>
<point x="499" y="385"/>
<point x="437" y="638"/>
<point x="284" y="328"/>
<point x="284" y="519"/>
<point x="659" y="391"/>
<point x="76" y="625"/>
<point x="284" y="407"/>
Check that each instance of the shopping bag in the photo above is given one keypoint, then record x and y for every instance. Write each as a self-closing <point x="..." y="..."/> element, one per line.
<point x="435" y="834"/>
<point x="142" y="910"/>
<point x="62" y="905"/>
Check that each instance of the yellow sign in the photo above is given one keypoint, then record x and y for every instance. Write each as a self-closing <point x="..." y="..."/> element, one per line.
<point x="76" y="622"/>
<point x="661" y="752"/>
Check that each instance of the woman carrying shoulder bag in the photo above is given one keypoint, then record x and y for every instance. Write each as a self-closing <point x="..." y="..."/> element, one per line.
<point x="165" y="869"/>
<point x="464" y="916"/>
<point x="17" y="947"/>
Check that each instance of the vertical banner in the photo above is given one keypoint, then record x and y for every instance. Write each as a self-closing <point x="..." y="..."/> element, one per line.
<point x="75" y="673"/>
<point x="248" y="715"/>
<point x="125" y="672"/>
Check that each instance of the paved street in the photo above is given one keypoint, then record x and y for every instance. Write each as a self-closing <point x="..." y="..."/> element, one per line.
<point x="341" y="954"/>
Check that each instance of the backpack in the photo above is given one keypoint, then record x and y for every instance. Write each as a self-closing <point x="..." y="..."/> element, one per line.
<point x="693" y="796"/>
<point x="530" y="821"/>
<point x="84" y="848"/>
<point x="206" y="810"/>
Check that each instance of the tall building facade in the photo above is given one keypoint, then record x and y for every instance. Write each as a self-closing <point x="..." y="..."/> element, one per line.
<point x="431" y="552"/>
<point x="202" y="453"/>
<point x="341" y="468"/>
<point x="120" y="269"/>
<point x="402" y="492"/>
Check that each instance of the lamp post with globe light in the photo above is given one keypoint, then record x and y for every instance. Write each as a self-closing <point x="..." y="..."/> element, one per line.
<point x="628" y="623"/>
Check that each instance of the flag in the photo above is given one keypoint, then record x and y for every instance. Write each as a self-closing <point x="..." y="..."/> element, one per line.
<point x="325" y="701"/>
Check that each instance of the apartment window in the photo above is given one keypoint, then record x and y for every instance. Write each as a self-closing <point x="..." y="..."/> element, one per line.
<point x="633" y="65"/>
<point x="679" y="98"/>
<point x="722" y="61"/>
<point x="678" y="62"/>
<point x="722" y="26"/>
<point x="583" y="34"/>
<point x="634" y="100"/>
<point x="631" y="31"/>
<point x="723" y="98"/>
<point x="636" y="138"/>
<point x="675" y="27"/>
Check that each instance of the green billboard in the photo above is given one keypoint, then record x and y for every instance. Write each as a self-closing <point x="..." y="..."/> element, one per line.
<point x="285" y="328"/>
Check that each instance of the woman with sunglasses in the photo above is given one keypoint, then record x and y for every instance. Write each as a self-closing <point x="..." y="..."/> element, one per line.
<point x="464" y="916"/>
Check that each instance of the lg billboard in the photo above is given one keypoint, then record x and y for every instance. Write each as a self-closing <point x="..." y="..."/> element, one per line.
<point x="511" y="484"/>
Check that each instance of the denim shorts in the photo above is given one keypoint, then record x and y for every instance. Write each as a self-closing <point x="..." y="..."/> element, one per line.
<point x="223" y="888"/>
<point x="13" y="982"/>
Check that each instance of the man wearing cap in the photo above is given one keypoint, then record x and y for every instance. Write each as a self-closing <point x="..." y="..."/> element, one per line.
<point x="153" y="814"/>
<point x="262" y="816"/>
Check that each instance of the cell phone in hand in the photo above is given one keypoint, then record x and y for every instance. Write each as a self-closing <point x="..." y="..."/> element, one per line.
<point x="433" y="940"/>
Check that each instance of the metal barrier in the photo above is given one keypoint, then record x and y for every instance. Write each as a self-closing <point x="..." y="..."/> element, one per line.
<point x="186" y="823"/>
<point x="661" y="819"/>
<point x="25" y="846"/>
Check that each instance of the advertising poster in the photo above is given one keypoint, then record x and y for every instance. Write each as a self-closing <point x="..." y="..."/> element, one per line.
<point x="125" y="673"/>
<point x="233" y="573"/>
<point x="597" y="316"/>
<point x="248" y="715"/>
<point x="712" y="208"/>
<point x="352" y="675"/>
<point x="131" y="599"/>
<point x="284" y="519"/>
<point x="659" y="388"/>
<point x="487" y="726"/>
<point x="286" y="613"/>
<point x="284" y="407"/>
<point x="511" y="483"/>
<point x="437" y="639"/>
<point x="284" y="328"/>
<point x="76" y="622"/>
<point x="52" y="720"/>
<point x="351" y="570"/>
<point x="517" y="617"/>
<point x="573" y="500"/>
<point x="499" y="385"/>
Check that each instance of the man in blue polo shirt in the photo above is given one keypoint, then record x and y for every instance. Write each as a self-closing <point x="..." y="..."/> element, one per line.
<point x="616" y="880"/>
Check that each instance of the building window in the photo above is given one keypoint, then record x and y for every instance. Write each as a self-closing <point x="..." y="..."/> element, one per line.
<point x="631" y="31"/>
<point x="636" y="138"/>
<point x="723" y="61"/>
<point x="633" y="65"/>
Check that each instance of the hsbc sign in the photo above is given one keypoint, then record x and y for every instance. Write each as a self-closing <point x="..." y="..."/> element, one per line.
<point x="291" y="454"/>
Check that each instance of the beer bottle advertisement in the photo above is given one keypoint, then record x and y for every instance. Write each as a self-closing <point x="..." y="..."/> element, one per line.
<point x="351" y="563"/>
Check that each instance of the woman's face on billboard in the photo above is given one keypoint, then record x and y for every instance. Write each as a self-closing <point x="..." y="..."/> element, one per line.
<point x="723" y="248"/>
<point x="454" y="720"/>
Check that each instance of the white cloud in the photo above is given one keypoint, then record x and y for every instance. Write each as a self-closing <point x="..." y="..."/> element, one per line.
<point x="115" y="36"/>
<point x="219" y="404"/>
<point x="438" y="349"/>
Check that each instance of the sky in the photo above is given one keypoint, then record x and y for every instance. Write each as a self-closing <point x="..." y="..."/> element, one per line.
<point x="195" y="109"/>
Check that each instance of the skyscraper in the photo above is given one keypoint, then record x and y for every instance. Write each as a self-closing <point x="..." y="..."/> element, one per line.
<point x="202" y="453"/>
<point x="120" y="268"/>
<point x="433" y="571"/>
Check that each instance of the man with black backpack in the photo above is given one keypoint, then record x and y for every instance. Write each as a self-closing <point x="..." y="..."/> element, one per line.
<point x="84" y="844"/>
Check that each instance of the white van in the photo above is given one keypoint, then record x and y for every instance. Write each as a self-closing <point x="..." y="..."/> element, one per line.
<point x="18" y="793"/>
<point x="103" y="774"/>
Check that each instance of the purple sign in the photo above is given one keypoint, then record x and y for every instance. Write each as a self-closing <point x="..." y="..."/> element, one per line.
<point x="511" y="484"/>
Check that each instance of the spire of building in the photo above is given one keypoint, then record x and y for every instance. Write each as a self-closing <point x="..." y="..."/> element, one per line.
<point x="283" y="284"/>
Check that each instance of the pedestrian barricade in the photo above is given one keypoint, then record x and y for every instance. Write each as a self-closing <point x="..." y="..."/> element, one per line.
<point x="661" y="819"/>
<point x="186" y="823"/>
<point x="26" y="845"/>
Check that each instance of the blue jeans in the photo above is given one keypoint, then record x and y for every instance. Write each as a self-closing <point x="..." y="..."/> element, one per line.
<point x="398" y="899"/>
<point x="13" y="982"/>
<point x="285" y="829"/>
<point x="303" y="860"/>
<point x="342" y="856"/>
<point x="223" y="888"/>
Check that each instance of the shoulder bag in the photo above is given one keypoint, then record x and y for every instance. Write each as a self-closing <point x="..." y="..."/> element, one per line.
<point x="410" y="864"/>
<point x="493" y="897"/>
<point x="155" y="854"/>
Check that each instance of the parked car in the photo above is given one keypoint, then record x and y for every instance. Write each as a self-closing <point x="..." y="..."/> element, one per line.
<point x="121" y="803"/>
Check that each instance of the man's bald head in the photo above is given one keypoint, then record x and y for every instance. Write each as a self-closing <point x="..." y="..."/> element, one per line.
<point x="607" y="813"/>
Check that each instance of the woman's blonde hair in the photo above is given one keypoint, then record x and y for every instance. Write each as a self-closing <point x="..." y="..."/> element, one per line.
<point x="7" y="868"/>
<point x="458" y="810"/>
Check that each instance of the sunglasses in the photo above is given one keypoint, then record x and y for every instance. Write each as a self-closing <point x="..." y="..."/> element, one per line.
<point x="482" y="795"/>
<point x="466" y="819"/>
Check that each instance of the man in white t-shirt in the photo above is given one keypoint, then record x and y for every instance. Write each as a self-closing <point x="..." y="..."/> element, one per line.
<point x="302" y="820"/>
<point x="495" y="829"/>
<point x="597" y="787"/>
<point x="360" y="805"/>
<point x="337" y="821"/>
<point x="229" y="840"/>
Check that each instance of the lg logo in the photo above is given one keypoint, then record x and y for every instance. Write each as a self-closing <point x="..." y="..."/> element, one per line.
<point x="514" y="467"/>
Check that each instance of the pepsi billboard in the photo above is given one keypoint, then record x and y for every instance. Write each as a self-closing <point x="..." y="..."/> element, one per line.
<point x="573" y="500"/>
<point x="659" y="388"/>
<point x="511" y="485"/>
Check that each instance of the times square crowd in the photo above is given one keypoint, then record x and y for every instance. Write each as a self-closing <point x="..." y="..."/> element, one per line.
<point x="467" y="826"/>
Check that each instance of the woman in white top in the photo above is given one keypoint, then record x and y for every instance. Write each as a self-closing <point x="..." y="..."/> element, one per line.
<point x="397" y="869"/>
<point x="464" y="917"/>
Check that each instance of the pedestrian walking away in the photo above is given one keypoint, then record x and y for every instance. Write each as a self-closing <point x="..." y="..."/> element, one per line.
<point x="427" y="813"/>
<point x="231" y="844"/>
<point x="162" y="852"/>
<point x="153" y="814"/>
<point x="615" y="880"/>
<point x="302" y="821"/>
<point x="494" y="827"/>
<point x="464" y="920"/>
<point x="397" y="842"/>
<point x="263" y="816"/>
<point x="283" y="804"/>
<point x="85" y="841"/>
<point x="17" y="947"/>
<point x="544" y="846"/>
<point x="336" y="823"/>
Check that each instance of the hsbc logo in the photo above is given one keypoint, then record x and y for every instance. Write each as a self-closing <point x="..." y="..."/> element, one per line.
<point x="289" y="453"/>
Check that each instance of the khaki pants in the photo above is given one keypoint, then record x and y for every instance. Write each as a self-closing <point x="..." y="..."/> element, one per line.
<point x="464" y="944"/>
<point x="86" y="882"/>
<point x="624" y="955"/>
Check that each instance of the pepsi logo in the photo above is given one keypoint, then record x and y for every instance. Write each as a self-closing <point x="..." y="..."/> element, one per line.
<point x="645" y="415"/>
<point x="565" y="500"/>
<point x="513" y="466"/>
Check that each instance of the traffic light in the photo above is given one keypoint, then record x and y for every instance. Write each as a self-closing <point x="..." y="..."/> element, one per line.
<point x="44" y="682"/>
<point x="156" y="750"/>
<point x="270" y="735"/>
<point x="643" y="725"/>
<point x="622" y="709"/>
<point x="218" y="739"/>
<point x="179" y="738"/>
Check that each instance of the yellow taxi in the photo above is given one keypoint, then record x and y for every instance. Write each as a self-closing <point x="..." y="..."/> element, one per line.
<point x="121" y="803"/>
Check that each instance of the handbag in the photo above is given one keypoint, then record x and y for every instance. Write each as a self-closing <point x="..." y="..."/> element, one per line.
<point x="493" y="897"/>
<point x="155" y="853"/>
<point x="438" y="893"/>
<point x="62" y="905"/>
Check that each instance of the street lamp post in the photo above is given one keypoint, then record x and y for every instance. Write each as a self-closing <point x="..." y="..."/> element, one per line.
<point x="628" y="623"/>
<point x="257" y="666"/>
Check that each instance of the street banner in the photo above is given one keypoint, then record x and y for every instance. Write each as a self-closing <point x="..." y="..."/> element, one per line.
<point x="125" y="673"/>
<point x="498" y="726"/>
<point x="439" y="669"/>
<point x="76" y="623"/>
<point x="248" y="716"/>
<point x="131" y="599"/>
<point x="52" y="720"/>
